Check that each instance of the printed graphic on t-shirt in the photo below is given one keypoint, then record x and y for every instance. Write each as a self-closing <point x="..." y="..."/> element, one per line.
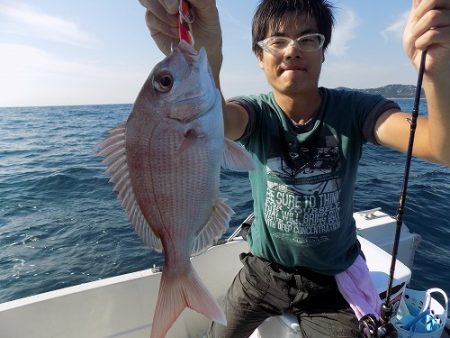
<point x="302" y="198"/>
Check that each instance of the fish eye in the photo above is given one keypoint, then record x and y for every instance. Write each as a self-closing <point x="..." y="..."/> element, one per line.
<point x="162" y="82"/>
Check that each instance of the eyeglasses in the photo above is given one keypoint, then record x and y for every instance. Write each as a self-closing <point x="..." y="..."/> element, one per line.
<point x="276" y="45"/>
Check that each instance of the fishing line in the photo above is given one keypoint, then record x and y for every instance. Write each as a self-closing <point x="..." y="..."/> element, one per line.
<point x="386" y="329"/>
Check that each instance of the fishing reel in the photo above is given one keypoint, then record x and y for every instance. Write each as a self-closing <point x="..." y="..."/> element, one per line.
<point x="370" y="327"/>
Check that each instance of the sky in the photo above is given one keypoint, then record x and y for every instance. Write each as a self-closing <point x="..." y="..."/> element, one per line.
<point x="100" y="52"/>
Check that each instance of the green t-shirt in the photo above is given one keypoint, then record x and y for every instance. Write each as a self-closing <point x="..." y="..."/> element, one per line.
<point x="304" y="179"/>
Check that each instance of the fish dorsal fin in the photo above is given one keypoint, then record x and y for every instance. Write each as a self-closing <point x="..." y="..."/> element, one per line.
<point x="236" y="157"/>
<point x="214" y="228"/>
<point x="115" y="158"/>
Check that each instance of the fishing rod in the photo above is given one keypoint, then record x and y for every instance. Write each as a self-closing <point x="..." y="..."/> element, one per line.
<point x="369" y="326"/>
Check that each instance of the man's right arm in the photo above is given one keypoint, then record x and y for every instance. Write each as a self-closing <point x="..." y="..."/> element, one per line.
<point x="235" y="119"/>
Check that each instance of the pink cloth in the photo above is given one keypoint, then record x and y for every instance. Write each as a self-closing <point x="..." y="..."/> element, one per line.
<point x="358" y="289"/>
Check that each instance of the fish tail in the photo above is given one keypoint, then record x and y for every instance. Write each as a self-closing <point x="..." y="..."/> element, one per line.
<point x="180" y="292"/>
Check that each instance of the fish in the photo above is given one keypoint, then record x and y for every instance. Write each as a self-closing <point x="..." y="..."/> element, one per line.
<point x="165" y="163"/>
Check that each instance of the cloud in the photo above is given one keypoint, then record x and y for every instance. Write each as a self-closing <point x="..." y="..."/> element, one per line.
<point x="27" y="59"/>
<point x="21" y="19"/>
<point x="396" y="28"/>
<point x="33" y="76"/>
<point x="346" y="24"/>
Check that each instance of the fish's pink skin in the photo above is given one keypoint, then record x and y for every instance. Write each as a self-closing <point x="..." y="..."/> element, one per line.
<point x="174" y="165"/>
<point x="174" y="147"/>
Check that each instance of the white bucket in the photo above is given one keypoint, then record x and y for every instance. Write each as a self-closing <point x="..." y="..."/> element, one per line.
<point x="420" y="315"/>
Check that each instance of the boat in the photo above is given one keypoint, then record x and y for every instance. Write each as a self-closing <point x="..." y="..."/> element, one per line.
<point x="123" y="306"/>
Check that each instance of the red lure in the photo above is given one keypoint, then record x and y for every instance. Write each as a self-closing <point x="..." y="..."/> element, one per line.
<point x="184" y="20"/>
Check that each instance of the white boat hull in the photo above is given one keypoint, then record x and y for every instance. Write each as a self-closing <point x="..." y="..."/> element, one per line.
<point x="123" y="306"/>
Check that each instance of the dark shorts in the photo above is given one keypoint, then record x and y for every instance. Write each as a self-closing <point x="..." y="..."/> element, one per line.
<point x="262" y="289"/>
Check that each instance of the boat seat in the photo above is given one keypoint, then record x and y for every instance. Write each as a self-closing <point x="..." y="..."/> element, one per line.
<point x="285" y="326"/>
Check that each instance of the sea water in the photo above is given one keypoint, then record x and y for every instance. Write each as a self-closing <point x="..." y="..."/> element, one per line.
<point x="61" y="224"/>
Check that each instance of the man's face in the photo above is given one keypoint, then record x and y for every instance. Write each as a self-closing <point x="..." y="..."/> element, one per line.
<point x="293" y="71"/>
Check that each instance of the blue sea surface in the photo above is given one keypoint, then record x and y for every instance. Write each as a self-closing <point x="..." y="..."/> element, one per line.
<point x="61" y="224"/>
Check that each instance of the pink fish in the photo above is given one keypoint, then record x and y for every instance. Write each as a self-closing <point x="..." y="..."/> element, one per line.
<point x="165" y="162"/>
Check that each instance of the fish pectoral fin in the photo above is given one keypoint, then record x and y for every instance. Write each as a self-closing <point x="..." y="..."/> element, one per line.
<point x="236" y="158"/>
<point x="214" y="228"/>
<point x="177" y="293"/>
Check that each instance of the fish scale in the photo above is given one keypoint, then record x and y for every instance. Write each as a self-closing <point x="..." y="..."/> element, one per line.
<point x="189" y="200"/>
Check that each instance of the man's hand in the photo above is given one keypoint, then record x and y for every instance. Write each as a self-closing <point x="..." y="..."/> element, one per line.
<point x="429" y="28"/>
<point x="162" y="21"/>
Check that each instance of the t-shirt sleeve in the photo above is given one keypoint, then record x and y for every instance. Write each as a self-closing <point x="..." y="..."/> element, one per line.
<point x="250" y="107"/>
<point x="367" y="108"/>
<point x="382" y="106"/>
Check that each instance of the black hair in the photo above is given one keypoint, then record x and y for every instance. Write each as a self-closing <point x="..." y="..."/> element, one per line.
<point x="269" y="14"/>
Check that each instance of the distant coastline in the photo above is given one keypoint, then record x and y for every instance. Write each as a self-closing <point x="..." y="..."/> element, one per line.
<point x="392" y="91"/>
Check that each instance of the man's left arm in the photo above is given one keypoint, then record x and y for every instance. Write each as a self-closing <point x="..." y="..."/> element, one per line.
<point x="428" y="28"/>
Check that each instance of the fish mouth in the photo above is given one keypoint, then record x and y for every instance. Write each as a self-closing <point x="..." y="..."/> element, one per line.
<point x="202" y="106"/>
<point x="190" y="99"/>
<point x="190" y="54"/>
<point x="197" y="91"/>
<point x="187" y="49"/>
<point x="199" y="62"/>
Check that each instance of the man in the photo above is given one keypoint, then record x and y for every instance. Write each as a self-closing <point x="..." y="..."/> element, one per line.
<point x="306" y="143"/>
